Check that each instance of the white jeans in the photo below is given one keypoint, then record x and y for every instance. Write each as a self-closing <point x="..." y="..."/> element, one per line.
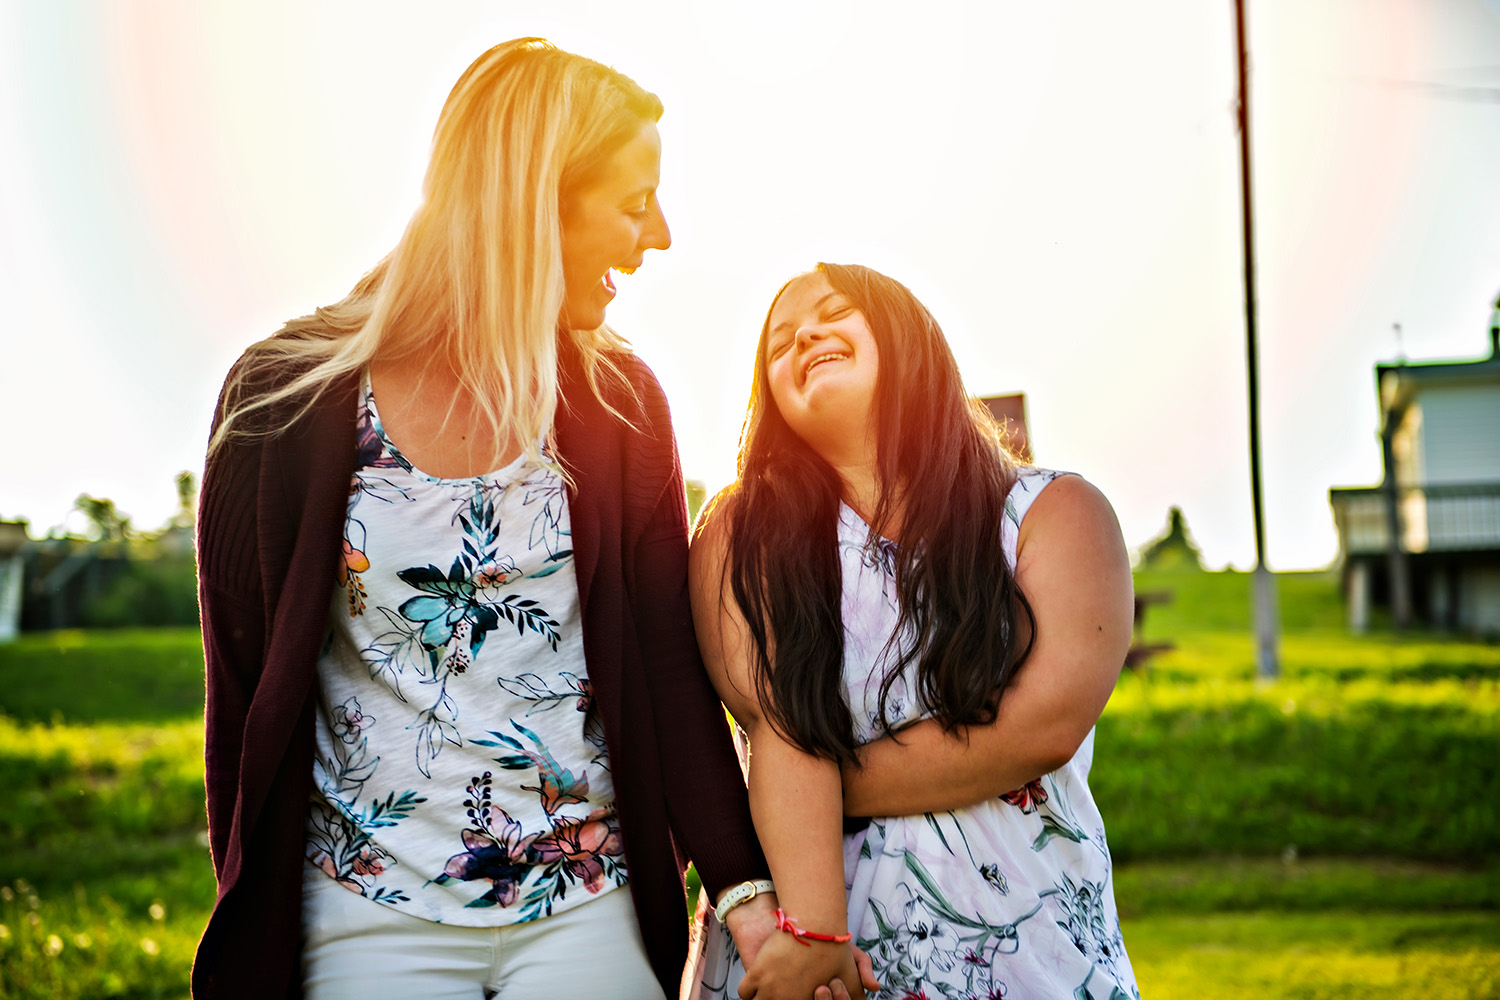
<point x="361" y="950"/>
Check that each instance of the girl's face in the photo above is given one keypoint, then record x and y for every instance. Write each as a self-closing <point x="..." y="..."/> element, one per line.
<point x="822" y="365"/>
<point x="609" y="224"/>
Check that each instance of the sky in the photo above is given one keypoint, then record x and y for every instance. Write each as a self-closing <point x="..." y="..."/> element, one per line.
<point x="1057" y="182"/>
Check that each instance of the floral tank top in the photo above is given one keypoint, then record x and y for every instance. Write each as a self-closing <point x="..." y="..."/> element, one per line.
<point x="460" y="773"/>
<point x="1011" y="897"/>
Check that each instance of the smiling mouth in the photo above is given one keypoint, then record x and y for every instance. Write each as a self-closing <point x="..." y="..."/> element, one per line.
<point x="823" y="358"/>
<point x="609" y="275"/>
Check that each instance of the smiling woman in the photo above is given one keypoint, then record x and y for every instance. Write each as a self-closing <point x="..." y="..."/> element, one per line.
<point x="917" y="635"/>
<point x="433" y="754"/>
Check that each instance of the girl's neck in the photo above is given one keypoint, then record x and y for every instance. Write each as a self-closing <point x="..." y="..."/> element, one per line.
<point x="862" y="490"/>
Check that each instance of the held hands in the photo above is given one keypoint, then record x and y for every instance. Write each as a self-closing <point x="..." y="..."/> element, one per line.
<point x="780" y="967"/>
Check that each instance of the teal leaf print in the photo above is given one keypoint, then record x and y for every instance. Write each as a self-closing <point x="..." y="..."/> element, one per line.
<point x="555" y="783"/>
<point x="1051" y="828"/>
<point x="932" y="822"/>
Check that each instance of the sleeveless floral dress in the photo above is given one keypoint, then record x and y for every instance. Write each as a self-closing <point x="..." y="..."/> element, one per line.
<point x="1012" y="897"/>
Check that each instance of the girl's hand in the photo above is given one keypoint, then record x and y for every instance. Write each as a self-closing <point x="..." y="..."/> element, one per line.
<point x="836" y="990"/>
<point x="787" y="969"/>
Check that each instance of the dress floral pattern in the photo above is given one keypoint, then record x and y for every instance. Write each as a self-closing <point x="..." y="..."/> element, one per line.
<point x="1011" y="897"/>
<point x="460" y="771"/>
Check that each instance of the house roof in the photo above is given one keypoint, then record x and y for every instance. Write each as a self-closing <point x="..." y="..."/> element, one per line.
<point x="1432" y="370"/>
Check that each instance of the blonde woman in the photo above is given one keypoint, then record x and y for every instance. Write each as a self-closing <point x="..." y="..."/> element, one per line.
<point x="458" y="730"/>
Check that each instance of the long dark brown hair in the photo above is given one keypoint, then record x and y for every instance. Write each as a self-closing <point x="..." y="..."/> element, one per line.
<point x="940" y="459"/>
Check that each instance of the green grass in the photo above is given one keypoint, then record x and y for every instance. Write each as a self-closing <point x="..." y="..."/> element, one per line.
<point x="87" y="944"/>
<point x="1316" y="956"/>
<point x="1293" y="883"/>
<point x="105" y="878"/>
<point x="1221" y="602"/>
<point x="1347" y="769"/>
<point x="131" y="675"/>
<point x="1376" y="757"/>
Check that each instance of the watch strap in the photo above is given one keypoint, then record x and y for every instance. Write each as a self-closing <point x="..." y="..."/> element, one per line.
<point x="742" y="893"/>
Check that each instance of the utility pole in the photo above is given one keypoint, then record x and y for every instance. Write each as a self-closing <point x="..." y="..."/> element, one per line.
<point x="1267" y="618"/>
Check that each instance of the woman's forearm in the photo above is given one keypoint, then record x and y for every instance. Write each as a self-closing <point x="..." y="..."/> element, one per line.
<point x="924" y="768"/>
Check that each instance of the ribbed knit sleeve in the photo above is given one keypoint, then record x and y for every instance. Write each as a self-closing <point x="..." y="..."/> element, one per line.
<point x="231" y="611"/>
<point x="706" y="800"/>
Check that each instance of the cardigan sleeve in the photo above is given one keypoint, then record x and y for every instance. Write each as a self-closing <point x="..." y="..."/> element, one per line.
<point x="231" y="612"/>
<point x="706" y="800"/>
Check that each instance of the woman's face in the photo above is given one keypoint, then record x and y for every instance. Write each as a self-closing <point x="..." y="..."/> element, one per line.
<point x="822" y="365"/>
<point x="610" y="223"/>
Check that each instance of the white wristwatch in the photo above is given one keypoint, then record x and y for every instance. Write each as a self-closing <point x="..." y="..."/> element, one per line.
<point x="742" y="893"/>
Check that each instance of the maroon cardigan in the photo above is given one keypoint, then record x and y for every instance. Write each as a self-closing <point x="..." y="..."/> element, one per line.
<point x="270" y="523"/>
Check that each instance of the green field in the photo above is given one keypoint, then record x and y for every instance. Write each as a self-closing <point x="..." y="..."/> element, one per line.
<point x="1333" y="834"/>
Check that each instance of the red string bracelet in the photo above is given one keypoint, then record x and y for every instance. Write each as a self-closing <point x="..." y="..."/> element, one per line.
<point x="786" y="923"/>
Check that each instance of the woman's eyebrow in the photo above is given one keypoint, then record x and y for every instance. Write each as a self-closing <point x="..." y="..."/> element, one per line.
<point x="784" y="324"/>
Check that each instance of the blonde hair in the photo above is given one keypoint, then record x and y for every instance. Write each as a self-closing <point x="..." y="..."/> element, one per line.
<point x="476" y="280"/>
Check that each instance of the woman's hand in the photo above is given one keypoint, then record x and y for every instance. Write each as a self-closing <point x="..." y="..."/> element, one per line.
<point x="787" y="968"/>
<point x="751" y="924"/>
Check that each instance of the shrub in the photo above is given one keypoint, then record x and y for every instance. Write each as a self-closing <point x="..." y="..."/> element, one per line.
<point x="148" y="592"/>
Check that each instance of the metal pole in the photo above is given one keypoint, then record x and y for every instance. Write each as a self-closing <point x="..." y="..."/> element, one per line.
<point x="1267" y="625"/>
<point x="1396" y="550"/>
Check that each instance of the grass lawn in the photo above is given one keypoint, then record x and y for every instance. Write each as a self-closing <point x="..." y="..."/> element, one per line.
<point x="1384" y="749"/>
<point x="1302" y="956"/>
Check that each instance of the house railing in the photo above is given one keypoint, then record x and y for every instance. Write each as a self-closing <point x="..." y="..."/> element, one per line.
<point x="1448" y="518"/>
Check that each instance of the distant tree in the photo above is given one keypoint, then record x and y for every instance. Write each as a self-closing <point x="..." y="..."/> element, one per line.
<point x="187" y="500"/>
<point x="106" y="519"/>
<point x="696" y="494"/>
<point x="1173" y="548"/>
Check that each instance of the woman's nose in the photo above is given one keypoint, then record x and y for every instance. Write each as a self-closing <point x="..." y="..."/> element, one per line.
<point x="656" y="235"/>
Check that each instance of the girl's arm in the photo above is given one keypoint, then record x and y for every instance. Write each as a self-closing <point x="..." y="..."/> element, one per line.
<point x="1072" y="566"/>
<point x="794" y="798"/>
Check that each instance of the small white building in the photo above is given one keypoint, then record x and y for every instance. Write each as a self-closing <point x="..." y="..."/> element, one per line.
<point x="1440" y="431"/>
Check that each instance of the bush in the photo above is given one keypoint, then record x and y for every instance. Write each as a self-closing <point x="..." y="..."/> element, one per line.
<point x="148" y="592"/>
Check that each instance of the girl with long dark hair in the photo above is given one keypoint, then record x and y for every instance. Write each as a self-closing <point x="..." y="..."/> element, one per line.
<point x="917" y="635"/>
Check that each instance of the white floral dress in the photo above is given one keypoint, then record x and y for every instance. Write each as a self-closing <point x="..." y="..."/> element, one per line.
<point x="1011" y="897"/>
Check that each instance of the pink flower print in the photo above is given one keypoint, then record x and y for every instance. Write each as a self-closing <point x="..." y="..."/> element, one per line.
<point x="1028" y="796"/>
<point x="368" y="862"/>
<point x="349" y="721"/>
<point x="582" y="846"/>
<point x="494" y="574"/>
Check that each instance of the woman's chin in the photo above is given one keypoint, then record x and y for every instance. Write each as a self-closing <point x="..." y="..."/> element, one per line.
<point x="589" y="314"/>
